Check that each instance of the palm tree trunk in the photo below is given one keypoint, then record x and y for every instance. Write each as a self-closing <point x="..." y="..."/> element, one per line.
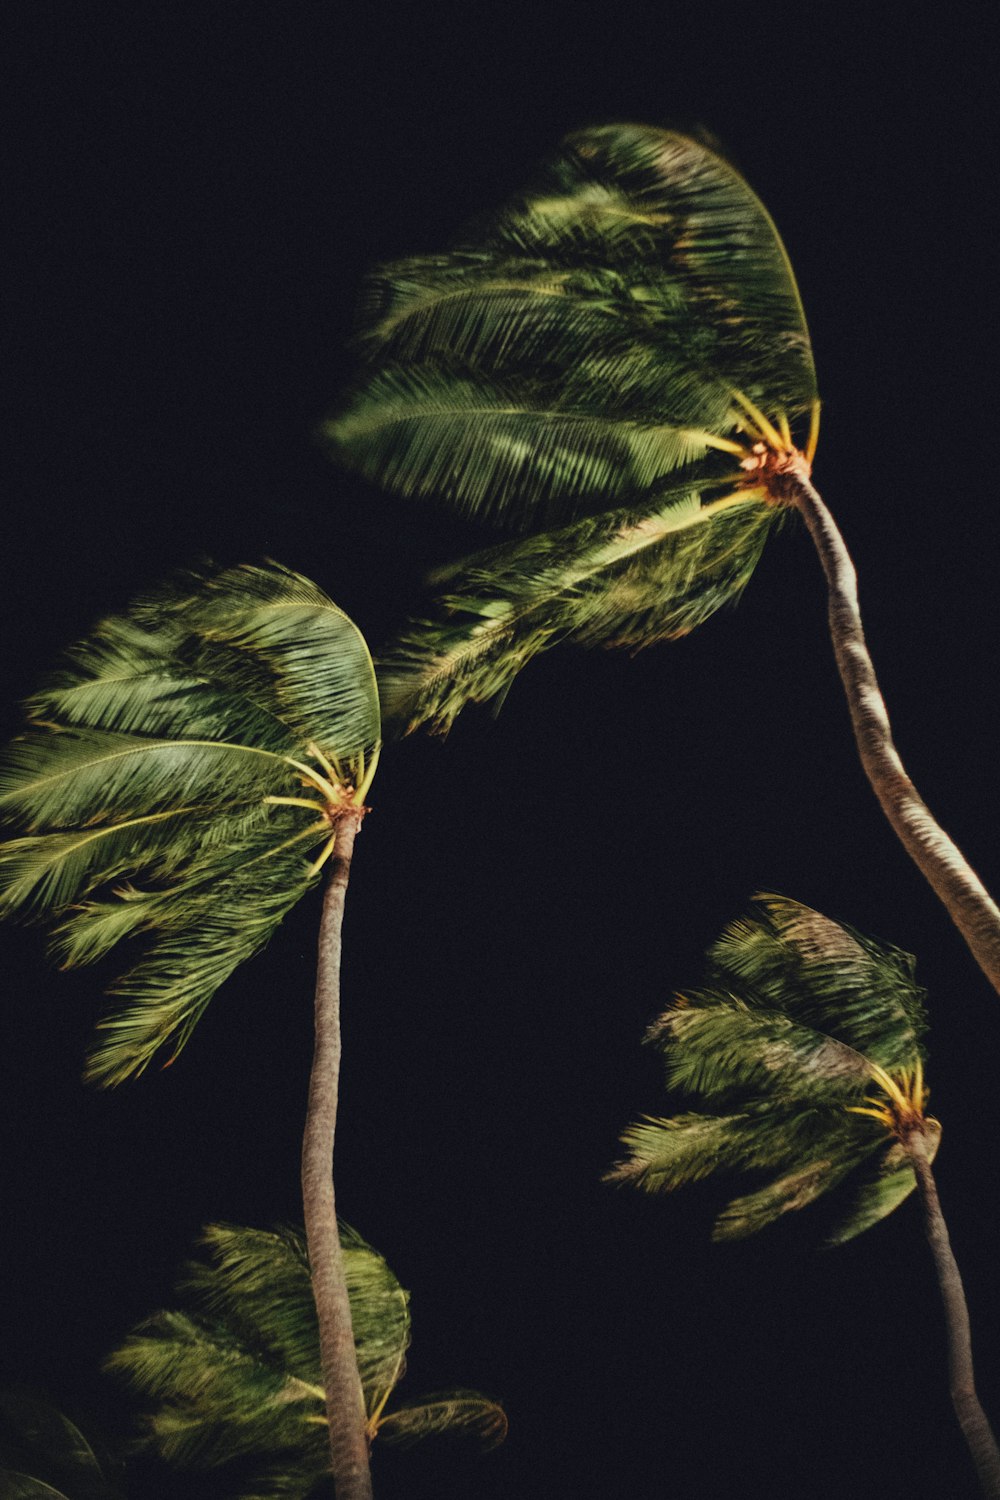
<point x="971" y="1417"/>
<point x="966" y="899"/>
<point x="345" y="1406"/>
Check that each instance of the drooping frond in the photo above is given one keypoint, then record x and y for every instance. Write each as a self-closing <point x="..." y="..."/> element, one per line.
<point x="174" y="778"/>
<point x="624" y="579"/>
<point x="807" y="1035"/>
<point x="825" y="975"/>
<point x="221" y="910"/>
<point x="537" y="371"/>
<point x="464" y="1413"/>
<point x="237" y="1376"/>
<point x="892" y="1181"/>
<point x="45" y="1456"/>
<point x="796" y="1189"/>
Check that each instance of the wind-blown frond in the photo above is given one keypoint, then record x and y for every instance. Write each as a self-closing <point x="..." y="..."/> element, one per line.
<point x="552" y="448"/>
<point x="807" y="1034"/>
<point x="719" y="1047"/>
<point x="628" y="578"/>
<point x="464" y="1413"/>
<point x="45" y="1456"/>
<point x="173" y="780"/>
<point x="237" y="1377"/>
<point x="825" y="975"/>
<point x="893" y="1182"/>
<point x="538" y="370"/>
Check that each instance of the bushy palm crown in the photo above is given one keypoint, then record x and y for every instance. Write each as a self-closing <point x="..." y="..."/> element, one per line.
<point x="600" y="357"/>
<point x="237" y="1376"/>
<point x="44" y="1456"/>
<point x="172" y="782"/>
<point x="806" y="1039"/>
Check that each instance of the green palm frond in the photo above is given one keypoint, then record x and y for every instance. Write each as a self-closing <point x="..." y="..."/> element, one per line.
<point x="585" y="343"/>
<point x="173" y="780"/>
<point x="628" y="578"/>
<point x="45" y="1456"/>
<point x="823" y="974"/>
<point x="236" y="1377"/>
<point x="892" y="1181"/>
<point x="464" y="1413"/>
<point x="808" y="1034"/>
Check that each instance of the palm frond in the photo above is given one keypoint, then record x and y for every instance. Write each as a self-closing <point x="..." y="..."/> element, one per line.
<point x="628" y="578"/>
<point x="224" y="908"/>
<point x="719" y="1047"/>
<point x="43" y="1454"/>
<point x="664" y="1154"/>
<point x="824" y="974"/>
<point x="160" y="783"/>
<point x="15" y="1486"/>
<point x="464" y="1413"/>
<point x="808" y="1035"/>
<point x="889" y="1185"/>
<point x="236" y="1377"/>
<point x="639" y="280"/>
<point x="510" y="448"/>
<point x="798" y="1188"/>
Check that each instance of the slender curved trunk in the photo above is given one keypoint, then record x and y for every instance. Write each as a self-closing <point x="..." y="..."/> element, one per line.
<point x="966" y="899"/>
<point x="971" y="1417"/>
<point x="345" y="1406"/>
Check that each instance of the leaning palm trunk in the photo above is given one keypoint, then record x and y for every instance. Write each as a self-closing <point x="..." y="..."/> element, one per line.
<point x="344" y="1398"/>
<point x="971" y="1417"/>
<point x="943" y="865"/>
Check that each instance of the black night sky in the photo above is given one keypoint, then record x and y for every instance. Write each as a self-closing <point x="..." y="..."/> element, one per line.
<point x="198" y="195"/>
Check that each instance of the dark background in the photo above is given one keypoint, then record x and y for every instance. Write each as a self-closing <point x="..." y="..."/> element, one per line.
<point x="197" y="198"/>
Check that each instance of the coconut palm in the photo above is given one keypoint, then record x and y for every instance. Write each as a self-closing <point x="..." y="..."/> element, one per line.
<point x="36" y="1437"/>
<point x="236" y="1376"/>
<point x="618" y="364"/>
<point x="806" y="1040"/>
<point x="184" y="780"/>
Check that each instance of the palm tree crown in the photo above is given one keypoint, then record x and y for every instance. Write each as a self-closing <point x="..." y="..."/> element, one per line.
<point x="620" y="354"/>
<point x="237" y="1375"/>
<point x="172" y="782"/>
<point x="806" y="1040"/>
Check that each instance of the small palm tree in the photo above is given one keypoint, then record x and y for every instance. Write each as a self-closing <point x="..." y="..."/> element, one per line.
<point x="35" y="1436"/>
<point x="237" y="1375"/>
<point x="806" y="1038"/>
<point x="617" y="363"/>
<point x="183" y="781"/>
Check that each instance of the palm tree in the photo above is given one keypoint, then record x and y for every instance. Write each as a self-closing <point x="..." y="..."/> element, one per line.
<point x="174" y="780"/>
<point x="806" y="1038"/>
<point x="236" y="1376"/>
<point x="37" y="1436"/>
<point x="617" y="363"/>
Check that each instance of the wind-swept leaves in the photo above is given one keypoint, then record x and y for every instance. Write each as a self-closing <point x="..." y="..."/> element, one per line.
<point x="236" y="1378"/>
<point x="583" y="344"/>
<point x="45" y="1456"/>
<point x="461" y="1413"/>
<point x="808" y="1035"/>
<point x="623" y="579"/>
<point x="174" y="778"/>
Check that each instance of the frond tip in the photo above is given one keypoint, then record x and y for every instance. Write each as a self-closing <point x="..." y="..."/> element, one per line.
<point x="799" y="1021"/>
<point x="173" y="781"/>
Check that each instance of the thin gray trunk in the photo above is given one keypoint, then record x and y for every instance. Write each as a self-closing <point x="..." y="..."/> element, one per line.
<point x="971" y="1417"/>
<point x="345" y="1406"/>
<point x="966" y="899"/>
